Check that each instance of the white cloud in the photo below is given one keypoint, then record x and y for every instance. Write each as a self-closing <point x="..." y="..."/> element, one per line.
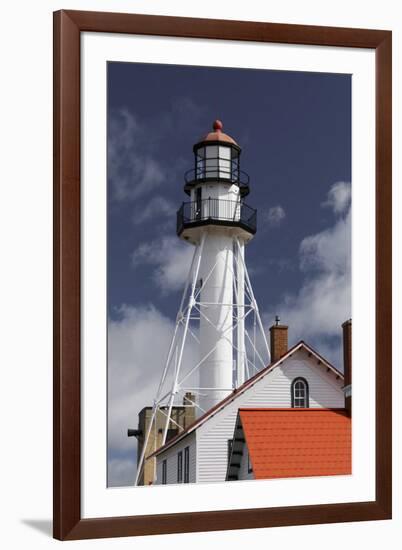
<point x="275" y="215"/>
<point x="339" y="197"/>
<point x="135" y="145"/>
<point x="315" y="313"/>
<point x="329" y="250"/>
<point x="171" y="258"/>
<point x="156" y="208"/>
<point x="137" y="347"/>
<point x="133" y="169"/>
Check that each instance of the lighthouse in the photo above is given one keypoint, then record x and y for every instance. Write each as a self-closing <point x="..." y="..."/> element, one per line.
<point x="218" y="311"/>
<point x="217" y="220"/>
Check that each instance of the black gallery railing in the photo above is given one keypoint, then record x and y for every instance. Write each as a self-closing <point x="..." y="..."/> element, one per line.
<point x="216" y="171"/>
<point x="217" y="210"/>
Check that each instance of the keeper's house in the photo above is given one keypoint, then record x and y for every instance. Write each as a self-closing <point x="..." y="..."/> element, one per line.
<point x="300" y="391"/>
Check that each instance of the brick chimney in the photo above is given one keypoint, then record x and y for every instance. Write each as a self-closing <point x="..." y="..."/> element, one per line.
<point x="189" y="409"/>
<point x="347" y="363"/>
<point x="279" y="340"/>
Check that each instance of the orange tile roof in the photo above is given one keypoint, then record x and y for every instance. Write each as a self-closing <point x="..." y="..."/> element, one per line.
<point x="298" y="442"/>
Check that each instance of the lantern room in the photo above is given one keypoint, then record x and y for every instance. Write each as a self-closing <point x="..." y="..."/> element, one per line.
<point x="217" y="158"/>
<point x="216" y="187"/>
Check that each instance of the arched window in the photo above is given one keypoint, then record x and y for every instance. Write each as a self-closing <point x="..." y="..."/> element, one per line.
<point x="299" y="393"/>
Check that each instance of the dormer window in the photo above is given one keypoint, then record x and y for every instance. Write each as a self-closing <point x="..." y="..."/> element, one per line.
<point x="300" y="394"/>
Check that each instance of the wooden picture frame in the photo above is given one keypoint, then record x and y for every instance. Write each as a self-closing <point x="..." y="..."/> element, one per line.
<point x="68" y="25"/>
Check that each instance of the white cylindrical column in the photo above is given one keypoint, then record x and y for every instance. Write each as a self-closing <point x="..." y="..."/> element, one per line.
<point x="216" y="332"/>
<point x="241" y="346"/>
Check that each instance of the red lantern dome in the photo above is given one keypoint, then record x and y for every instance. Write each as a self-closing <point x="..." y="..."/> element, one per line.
<point x="218" y="135"/>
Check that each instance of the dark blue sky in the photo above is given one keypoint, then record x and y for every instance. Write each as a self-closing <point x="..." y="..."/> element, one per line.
<point x="295" y="132"/>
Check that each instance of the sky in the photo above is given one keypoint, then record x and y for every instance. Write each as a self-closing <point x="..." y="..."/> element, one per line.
<point x="295" y="132"/>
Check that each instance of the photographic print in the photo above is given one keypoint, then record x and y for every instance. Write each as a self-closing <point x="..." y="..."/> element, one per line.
<point x="229" y="274"/>
<point x="202" y="265"/>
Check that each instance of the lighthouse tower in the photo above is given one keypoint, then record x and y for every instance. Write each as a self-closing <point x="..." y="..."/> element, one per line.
<point x="217" y="220"/>
<point x="218" y="309"/>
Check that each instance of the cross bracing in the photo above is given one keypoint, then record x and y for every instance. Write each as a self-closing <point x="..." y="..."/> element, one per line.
<point x="245" y="334"/>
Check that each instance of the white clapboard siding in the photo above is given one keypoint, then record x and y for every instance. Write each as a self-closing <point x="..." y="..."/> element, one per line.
<point x="273" y="390"/>
<point x="171" y="460"/>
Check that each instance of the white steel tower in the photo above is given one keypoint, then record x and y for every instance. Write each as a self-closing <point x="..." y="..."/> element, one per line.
<point x="218" y="310"/>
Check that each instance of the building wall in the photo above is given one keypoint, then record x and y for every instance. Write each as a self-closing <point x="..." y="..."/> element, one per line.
<point x="244" y="474"/>
<point x="171" y="460"/>
<point x="183" y="416"/>
<point x="271" y="391"/>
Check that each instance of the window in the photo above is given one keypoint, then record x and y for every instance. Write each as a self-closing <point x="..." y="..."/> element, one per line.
<point x="180" y="467"/>
<point x="299" y="393"/>
<point x="164" y="472"/>
<point x="187" y="465"/>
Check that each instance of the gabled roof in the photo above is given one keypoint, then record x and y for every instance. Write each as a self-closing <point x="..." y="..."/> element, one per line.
<point x="241" y="389"/>
<point x="293" y="442"/>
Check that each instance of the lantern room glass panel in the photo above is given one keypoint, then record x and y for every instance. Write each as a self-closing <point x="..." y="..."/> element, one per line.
<point x="217" y="161"/>
<point x="235" y="165"/>
<point x="200" y="163"/>
<point x="211" y="161"/>
<point x="225" y="162"/>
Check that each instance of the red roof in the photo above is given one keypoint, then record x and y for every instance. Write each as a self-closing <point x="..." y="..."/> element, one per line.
<point x="298" y="442"/>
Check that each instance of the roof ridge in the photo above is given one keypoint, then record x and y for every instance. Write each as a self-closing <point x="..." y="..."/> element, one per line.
<point x="292" y="409"/>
